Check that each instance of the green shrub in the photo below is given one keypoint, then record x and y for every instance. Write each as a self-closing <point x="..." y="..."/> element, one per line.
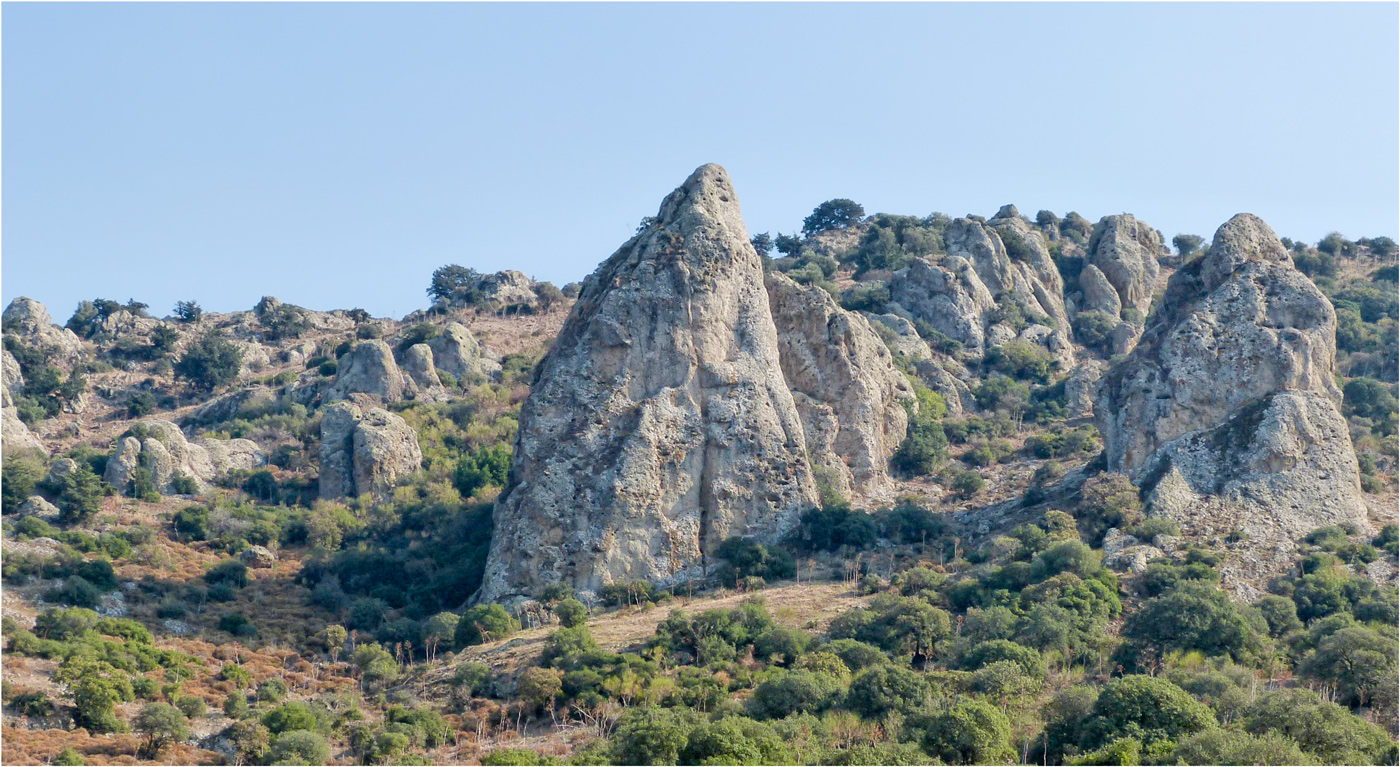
<point x="210" y="362"/>
<point x="300" y="747"/>
<point x="485" y="623"/>
<point x="971" y="732"/>
<point x="883" y="688"/>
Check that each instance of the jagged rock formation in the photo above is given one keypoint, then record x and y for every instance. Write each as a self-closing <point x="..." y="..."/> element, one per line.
<point x="457" y="352"/>
<point x="163" y="450"/>
<point x="659" y="423"/>
<point x="28" y="320"/>
<point x="1124" y="252"/>
<point x="966" y="294"/>
<point x="1226" y="412"/>
<point x="364" y="451"/>
<point x="847" y="391"/>
<point x="368" y="368"/>
<point x="14" y="434"/>
<point x="948" y="295"/>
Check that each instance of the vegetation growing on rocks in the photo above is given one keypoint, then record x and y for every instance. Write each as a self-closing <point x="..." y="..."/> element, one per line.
<point x="1004" y="598"/>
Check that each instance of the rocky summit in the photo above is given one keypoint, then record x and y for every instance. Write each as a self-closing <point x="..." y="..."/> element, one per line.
<point x="1038" y="469"/>
<point x="659" y="423"/>
<point x="1227" y="414"/>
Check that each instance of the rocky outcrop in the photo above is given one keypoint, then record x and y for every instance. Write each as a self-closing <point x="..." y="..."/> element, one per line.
<point x="1226" y="413"/>
<point x="508" y="289"/>
<point x="1124" y="251"/>
<point x="226" y="455"/>
<point x="368" y="368"/>
<point x="29" y="321"/>
<point x="244" y="402"/>
<point x="849" y="394"/>
<point x="976" y="293"/>
<point x="948" y="295"/>
<point x="15" y="435"/>
<point x="457" y="352"/>
<point x="160" y="447"/>
<point x="365" y="451"/>
<point x="1099" y="293"/>
<point x="13" y="384"/>
<point x="1080" y="387"/>
<point x="660" y="423"/>
<point x="36" y="506"/>
<point x="421" y="374"/>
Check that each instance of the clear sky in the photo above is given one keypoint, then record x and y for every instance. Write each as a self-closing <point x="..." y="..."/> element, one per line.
<point x="334" y="155"/>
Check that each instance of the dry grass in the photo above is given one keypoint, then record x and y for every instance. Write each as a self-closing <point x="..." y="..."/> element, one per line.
<point x="807" y="606"/>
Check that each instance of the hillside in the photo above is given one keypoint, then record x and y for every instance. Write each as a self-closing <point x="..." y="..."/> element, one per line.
<point x="893" y="489"/>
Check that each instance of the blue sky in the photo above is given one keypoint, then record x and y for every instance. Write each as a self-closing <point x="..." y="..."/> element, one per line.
<point x="334" y="155"/>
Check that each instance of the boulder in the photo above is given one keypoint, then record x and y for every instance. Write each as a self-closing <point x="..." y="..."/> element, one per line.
<point x="368" y="368"/>
<point x="457" y="351"/>
<point x="365" y="451"/>
<point x="162" y="450"/>
<point x="1226" y="411"/>
<point x="660" y="423"/>
<point x="59" y="470"/>
<point x="505" y="290"/>
<point x="226" y="455"/>
<point x="385" y="450"/>
<point x="36" y="506"/>
<point x="1125" y="250"/>
<point x="1099" y="293"/>
<point x="15" y="435"/>
<point x="29" y="321"/>
<point x="338" y="422"/>
<point x="853" y="399"/>
<point x="422" y="378"/>
<point x="1080" y="387"/>
<point x="258" y="557"/>
<point x="901" y="336"/>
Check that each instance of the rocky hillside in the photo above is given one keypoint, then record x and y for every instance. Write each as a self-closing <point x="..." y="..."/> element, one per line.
<point x="1064" y="421"/>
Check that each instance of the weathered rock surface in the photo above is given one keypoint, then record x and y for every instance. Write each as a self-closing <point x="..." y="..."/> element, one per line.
<point x="13" y="387"/>
<point x="1226" y="414"/>
<point x="226" y="455"/>
<point x="28" y="320"/>
<point x="1125" y="251"/>
<point x="1099" y="293"/>
<point x="947" y="295"/>
<point x="165" y="453"/>
<point x="15" y="435"/>
<point x="368" y="368"/>
<point x="258" y="557"/>
<point x="365" y="451"/>
<point x="422" y="378"/>
<point x="457" y="352"/>
<point x="36" y="506"/>
<point x="961" y="294"/>
<point x="1080" y="386"/>
<point x="229" y="406"/>
<point x="900" y="336"/>
<point x="844" y="383"/>
<point x="660" y="423"/>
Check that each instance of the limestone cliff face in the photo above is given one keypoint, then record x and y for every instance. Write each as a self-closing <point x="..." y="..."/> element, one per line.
<point x="659" y="423"/>
<point x="846" y="388"/>
<point x="1226" y="414"/>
